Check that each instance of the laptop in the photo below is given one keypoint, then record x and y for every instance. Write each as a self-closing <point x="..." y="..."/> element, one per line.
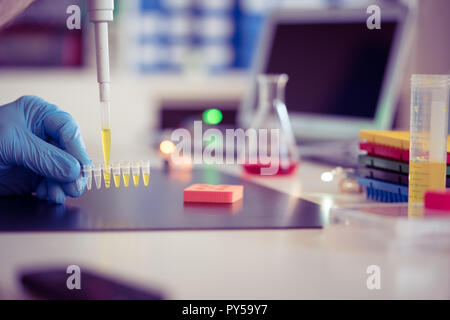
<point x="343" y="76"/>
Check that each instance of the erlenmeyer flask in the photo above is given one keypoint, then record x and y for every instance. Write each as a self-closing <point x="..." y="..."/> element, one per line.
<point x="270" y="114"/>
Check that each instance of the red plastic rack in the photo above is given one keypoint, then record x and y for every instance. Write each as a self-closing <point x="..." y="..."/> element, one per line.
<point x="388" y="152"/>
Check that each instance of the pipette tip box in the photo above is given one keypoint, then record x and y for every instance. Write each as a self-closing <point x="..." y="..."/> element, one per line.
<point x="389" y="144"/>
<point x="384" y="191"/>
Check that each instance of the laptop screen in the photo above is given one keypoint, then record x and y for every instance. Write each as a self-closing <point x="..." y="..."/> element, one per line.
<point x="334" y="69"/>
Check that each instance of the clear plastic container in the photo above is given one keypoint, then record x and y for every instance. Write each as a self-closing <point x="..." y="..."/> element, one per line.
<point x="428" y="135"/>
<point x="391" y="223"/>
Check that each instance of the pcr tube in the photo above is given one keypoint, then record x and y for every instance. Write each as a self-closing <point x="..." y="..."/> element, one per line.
<point x="125" y="172"/>
<point x="145" y="171"/>
<point x="107" y="174"/>
<point x="87" y="174"/>
<point x="98" y="175"/>
<point x="116" y="173"/>
<point x="136" y="172"/>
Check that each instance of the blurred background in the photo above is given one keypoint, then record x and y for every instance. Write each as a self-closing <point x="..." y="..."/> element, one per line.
<point x="173" y="59"/>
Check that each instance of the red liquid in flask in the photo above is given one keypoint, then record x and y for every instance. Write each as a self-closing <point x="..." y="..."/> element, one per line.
<point x="255" y="168"/>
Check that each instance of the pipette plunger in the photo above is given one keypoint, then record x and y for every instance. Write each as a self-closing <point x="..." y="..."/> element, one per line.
<point x="100" y="13"/>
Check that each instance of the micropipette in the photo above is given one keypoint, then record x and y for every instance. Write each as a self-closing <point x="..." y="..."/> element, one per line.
<point x="100" y="13"/>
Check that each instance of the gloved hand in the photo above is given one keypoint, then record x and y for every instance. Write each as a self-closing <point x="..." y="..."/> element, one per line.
<point x="41" y="150"/>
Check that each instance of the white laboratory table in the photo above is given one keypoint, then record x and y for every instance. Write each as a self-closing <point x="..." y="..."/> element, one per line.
<point x="268" y="264"/>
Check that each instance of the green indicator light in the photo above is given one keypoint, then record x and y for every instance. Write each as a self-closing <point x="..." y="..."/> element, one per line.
<point x="212" y="116"/>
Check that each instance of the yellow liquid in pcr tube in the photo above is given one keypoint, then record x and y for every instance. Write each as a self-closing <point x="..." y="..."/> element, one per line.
<point x="126" y="179"/>
<point x="106" y="142"/>
<point x="117" y="180"/>
<point x="136" y="179"/>
<point x="415" y="211"/>
<point x="425" y="176"/>
<point x="146" y="177"/>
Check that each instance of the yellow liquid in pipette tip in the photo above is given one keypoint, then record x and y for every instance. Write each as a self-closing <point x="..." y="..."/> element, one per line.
<point x="126" y="179"/>
<point x="136" y="179"/>
<point x="425" y="176"/>
<point x="117" y="180"/>
<point x="106" y="142"/>
<point x="146" y="177"/>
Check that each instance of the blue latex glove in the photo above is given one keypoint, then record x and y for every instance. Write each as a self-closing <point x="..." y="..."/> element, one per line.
<point x="41" y="149"/>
